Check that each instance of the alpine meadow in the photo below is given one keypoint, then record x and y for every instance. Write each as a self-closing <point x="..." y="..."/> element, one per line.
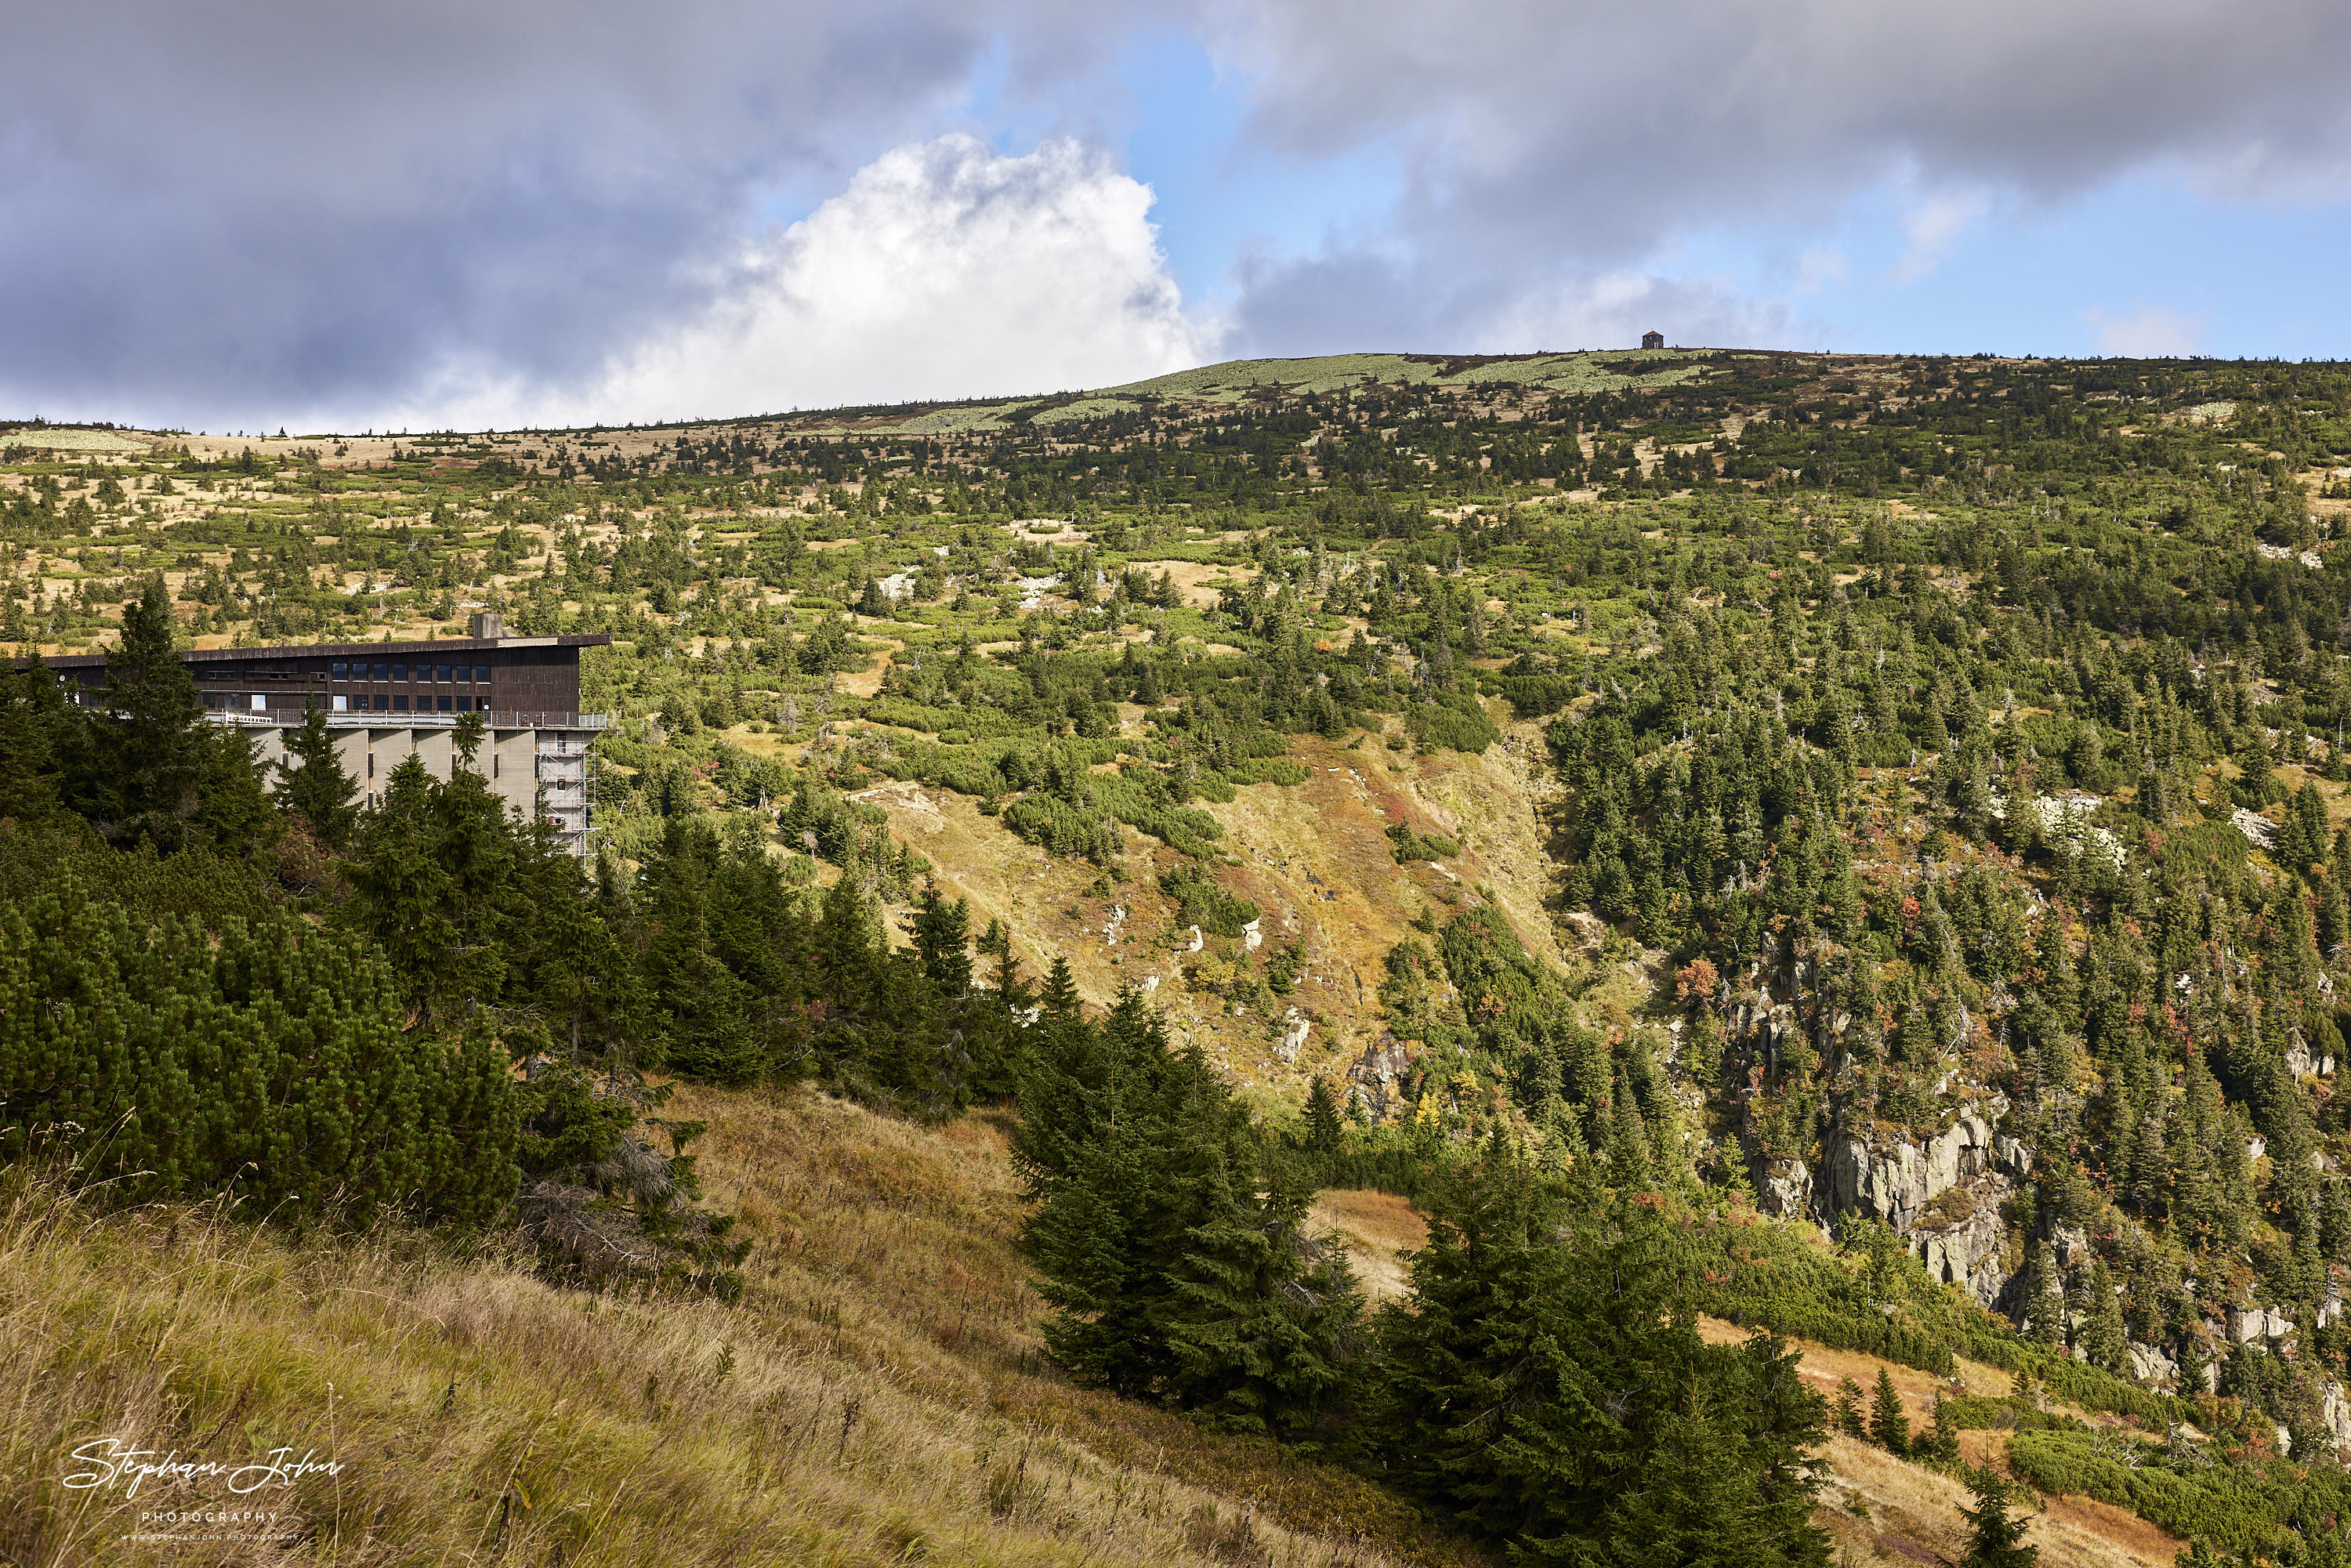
<point x="1655" y="956"/>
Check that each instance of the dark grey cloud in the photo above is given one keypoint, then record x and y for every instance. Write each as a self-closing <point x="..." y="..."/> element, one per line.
<point x="279" y="204"/>
<point x="1544" y="146"/>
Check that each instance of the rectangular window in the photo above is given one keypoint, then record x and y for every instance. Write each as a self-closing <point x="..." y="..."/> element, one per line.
<point x="442" y="674"/>
<point x="382" y="702"/>
<point x="342" y="703"/>
<point x="464" y="705"/>
<point x="444" y="705"/>
<point x="260" y="702"/>
<point x="464" y="675"/>
<point x="379" y="672"/>
<point x="399" y="702"/>
<point x="342" y="671"/>
<point x="212" y="699"/>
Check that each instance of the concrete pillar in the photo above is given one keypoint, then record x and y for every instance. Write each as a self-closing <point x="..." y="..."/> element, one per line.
<point x="350" y="751"/>
<point x="270" y="750"/>
<point x="437" y="748"/>
<point x="512" y="765"/>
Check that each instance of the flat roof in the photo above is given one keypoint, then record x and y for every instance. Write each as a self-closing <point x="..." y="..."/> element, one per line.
<point x="370" y="650"/>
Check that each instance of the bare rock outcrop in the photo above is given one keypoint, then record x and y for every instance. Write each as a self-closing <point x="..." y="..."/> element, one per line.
<point x="2336" y="1411"/>
<point x="1943" y="1195"/>
<point x="1965" y="1245"/>
<point x="2247" y="1324"/>
<point x="1784" y="1188"/>
<point x="2152" y="1366"/>
<point x="1377" y="1074"/>
<point x="1897" y="1182"/>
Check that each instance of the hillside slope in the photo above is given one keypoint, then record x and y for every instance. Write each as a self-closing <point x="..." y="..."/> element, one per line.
<point x="1905" y="797"/>
<point x="876" y="1396"/>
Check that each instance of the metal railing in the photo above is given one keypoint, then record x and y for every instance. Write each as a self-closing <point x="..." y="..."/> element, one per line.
<point x="281" y="718"/>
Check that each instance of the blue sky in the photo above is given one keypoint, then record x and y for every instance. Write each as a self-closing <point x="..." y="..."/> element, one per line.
<point x="274" y="212"/>
<point x="2144" y="262"/>
<point x="1219" y="198"/>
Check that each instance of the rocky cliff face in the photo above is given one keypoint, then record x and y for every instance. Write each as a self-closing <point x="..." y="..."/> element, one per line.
<point x="1898" y="1180"/>
<point x="1943" y="1195"/>
<point x="1378" y="1078"/>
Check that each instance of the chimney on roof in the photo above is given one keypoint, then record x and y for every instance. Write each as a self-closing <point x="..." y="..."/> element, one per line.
<point x="486" y="624"/>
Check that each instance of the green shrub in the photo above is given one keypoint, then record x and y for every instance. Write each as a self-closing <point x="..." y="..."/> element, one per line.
<point x="1407" y="846"/>
<point x="1200" y="901"/>
<point x="1539" y="696"/>
<point x="1268" y="770"/>
<point x="1062" y="828"/>
<point x="2235" y="1507"/>
<point x="267" y="1058"/>
<point x="1451" y="723"/>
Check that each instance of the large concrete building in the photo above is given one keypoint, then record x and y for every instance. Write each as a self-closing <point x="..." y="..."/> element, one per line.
<point x="385" y="700"/>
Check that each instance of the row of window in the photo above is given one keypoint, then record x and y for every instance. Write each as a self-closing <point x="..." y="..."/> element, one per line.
<point x="258" y="702"/>
<point x="362" y="702"/>
<point x="441" y="674"/>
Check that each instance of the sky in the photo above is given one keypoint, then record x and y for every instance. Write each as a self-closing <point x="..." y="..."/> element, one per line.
<point x="249" y="214"/>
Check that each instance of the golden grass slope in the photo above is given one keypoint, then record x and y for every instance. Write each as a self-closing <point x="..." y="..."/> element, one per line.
<point x="876" y="1398"/>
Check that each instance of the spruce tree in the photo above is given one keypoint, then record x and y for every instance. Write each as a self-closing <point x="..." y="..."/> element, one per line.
<point x="2105" y="1338"/>
<point x="1940" y="1442"/>
<point x="707" y="1010"/>
<point x="1996" y="1538"/>
<point x="1262" y="1316"/>
<point x="1124" y="1143"/>
<point x="144" y="758"/>
<point x="316" y="786"/>
<point x="32" y="713"/>
<point x="401" y="889"/>
<point x="1548" y="1387"/>
<point x="1059" y="997"/>
<point x="1848" y="1412"/>
<point x="847" y="934"/>
<point x="942" y="934"/>
<point x="1889" y="1424"/>
<point x="2046" y="1319"/>
<point x="1321" y="1118"/>
<point x="234" y="816"/>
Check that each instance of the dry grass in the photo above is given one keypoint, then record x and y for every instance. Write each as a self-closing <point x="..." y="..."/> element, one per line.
<point x="1882" y="1510"/>
<point x="875" y="1398"/>
<point x="1378" y="1229"/>
<point x="1885" y="1510"/>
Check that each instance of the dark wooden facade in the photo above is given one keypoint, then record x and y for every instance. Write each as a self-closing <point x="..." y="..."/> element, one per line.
<point x="510" y="680"/>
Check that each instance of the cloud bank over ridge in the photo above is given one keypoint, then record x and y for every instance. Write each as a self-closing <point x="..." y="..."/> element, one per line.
<point x="944" y="270"/>
<point x="259" y="209"/>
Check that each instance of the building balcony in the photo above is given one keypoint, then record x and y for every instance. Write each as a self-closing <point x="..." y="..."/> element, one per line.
<point x="281" y="718"/>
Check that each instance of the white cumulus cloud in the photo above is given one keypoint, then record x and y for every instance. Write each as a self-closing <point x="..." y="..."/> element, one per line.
<point x="946" y="269"/>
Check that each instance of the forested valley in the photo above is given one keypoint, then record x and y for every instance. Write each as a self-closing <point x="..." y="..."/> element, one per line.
<point x="1816" y="884"/>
